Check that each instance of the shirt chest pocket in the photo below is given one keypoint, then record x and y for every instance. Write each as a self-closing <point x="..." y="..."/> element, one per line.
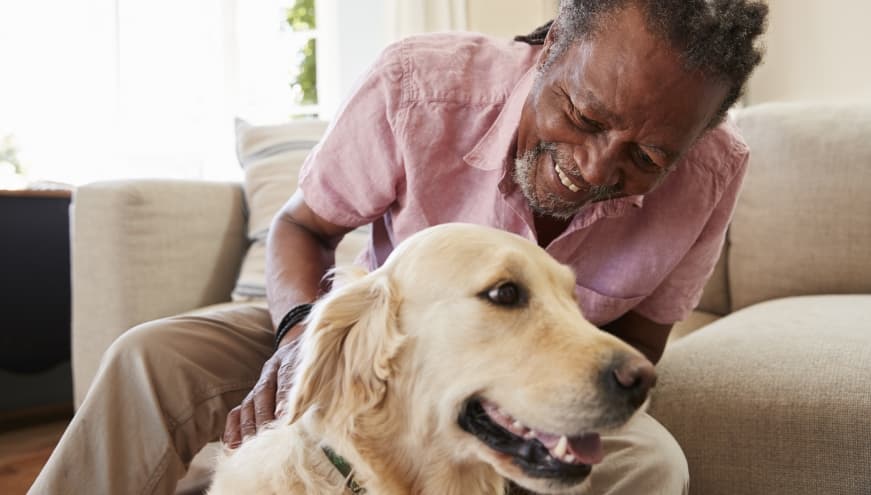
<point x="599" y="308"/>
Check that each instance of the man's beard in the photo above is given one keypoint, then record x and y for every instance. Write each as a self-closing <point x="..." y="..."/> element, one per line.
<point x="525" y="170"/>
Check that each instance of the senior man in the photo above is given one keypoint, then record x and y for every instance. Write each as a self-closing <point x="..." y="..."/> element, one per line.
<point x="600" y="136"/>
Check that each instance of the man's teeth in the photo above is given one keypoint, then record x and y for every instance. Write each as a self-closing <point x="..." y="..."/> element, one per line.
<point x="565" y="180"/>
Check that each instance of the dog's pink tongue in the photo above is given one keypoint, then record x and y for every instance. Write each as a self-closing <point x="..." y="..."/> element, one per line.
<point x="587" y="449"/>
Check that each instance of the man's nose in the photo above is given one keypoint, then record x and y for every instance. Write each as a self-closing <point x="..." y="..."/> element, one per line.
<point x="598" y="163"/>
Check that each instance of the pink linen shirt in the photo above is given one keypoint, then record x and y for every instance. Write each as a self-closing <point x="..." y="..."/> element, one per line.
<point x="428" y="137"/>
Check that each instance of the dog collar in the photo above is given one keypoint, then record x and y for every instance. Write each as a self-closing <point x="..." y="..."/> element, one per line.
<point x="344" y="469"/>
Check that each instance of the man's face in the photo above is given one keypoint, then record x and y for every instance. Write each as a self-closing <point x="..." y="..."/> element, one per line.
<point x="609" y="118"/>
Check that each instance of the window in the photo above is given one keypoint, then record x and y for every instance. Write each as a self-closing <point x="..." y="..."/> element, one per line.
<point x="126" y="88"/>
<point x="301" y="38"/>
<point x="10" y="167"/>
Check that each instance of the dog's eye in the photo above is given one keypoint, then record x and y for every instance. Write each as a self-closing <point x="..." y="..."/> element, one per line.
<point x="506" y="294"/>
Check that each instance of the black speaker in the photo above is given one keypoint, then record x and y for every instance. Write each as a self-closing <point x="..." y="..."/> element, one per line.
<point x="34" y="280"/>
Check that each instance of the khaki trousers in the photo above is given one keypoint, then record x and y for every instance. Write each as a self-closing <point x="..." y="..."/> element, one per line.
<point x="164" y="389"/>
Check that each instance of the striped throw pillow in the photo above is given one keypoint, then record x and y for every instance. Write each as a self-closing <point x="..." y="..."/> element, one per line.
<point x="271" y="157"/>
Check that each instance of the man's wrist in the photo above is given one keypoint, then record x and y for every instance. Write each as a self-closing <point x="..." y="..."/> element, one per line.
<point x="295" y="316"/>
<point x="291" y="337"/>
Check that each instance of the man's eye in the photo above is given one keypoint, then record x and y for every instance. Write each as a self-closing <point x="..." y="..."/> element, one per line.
<point x="646" y="163"/>
<point x="590" y="124"/>
<point x="505" y="294"/>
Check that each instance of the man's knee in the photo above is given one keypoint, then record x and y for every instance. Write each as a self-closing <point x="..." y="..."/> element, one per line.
<point x="672" y="460"/>
<point x="164" y="359"/>
<point x="141" y="344"/>
<point x="660" y="459"/>
<point x="643" y="458"/>
<point x="185" y="360"/>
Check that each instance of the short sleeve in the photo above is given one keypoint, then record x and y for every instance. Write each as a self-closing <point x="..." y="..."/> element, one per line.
<point x="352" y="176"/>
<point x="681" y="290"/>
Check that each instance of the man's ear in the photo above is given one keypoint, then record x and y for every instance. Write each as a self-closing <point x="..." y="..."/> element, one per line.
<point x="348" y="349"/>
<point x="549" y="40"/>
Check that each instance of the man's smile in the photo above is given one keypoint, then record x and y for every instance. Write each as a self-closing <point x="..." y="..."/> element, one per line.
<point x="566" y="181"/>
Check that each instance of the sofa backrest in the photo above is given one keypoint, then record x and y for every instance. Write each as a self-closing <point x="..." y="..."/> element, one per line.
<point x="715" y="297"/>
<point x="803" y="221"/>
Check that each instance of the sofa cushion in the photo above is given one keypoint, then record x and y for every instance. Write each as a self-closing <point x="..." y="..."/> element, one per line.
<point x="802" y="222"/>
<point x="271" y="157"/>
<point x="774" y="398"/>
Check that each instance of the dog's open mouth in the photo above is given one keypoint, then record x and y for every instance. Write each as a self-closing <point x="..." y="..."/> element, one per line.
<point x="538" y="454"/>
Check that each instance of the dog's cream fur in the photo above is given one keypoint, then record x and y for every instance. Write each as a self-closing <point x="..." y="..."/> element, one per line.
<point x="389" y="358"/>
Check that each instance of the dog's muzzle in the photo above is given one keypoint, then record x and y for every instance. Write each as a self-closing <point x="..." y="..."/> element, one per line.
<point x="537" y="454"/>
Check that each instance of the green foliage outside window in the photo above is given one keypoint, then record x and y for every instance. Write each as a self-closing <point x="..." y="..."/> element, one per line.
<point x="9" y="155"/>
<point x="301" y="17"/>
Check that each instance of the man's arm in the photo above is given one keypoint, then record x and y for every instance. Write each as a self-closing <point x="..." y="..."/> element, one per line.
<point x="301" y="244"/>
<point x="299" y="251"/>
<point x="641" y="333"/>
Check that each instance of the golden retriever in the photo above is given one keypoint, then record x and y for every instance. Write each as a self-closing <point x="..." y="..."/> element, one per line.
<point x="461" y="362"/>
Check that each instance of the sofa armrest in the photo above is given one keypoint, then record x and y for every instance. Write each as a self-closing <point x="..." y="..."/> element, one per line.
<point x="146" y="249"/>
<point x="774" y="398"/>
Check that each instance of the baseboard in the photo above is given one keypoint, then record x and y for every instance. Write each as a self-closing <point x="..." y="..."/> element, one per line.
<point x="21" y="418"/>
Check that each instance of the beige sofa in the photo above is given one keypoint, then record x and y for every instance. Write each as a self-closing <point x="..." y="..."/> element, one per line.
<point x="771" y="396"/>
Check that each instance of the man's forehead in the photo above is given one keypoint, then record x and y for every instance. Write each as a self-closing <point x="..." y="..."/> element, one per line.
<point x="634" y="82"/>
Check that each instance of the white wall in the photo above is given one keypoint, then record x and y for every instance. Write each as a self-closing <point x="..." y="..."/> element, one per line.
<point x="508" y="18"/>
<point x="352" y="34"/>
<point x="816" y="50"/>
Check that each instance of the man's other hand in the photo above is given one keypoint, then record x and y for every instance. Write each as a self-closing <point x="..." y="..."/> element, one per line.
<point x="266" y="401"/>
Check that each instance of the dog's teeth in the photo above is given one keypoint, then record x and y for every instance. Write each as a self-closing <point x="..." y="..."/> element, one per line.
<point x="569" y="459"/>
<point x="529" y="435"/>
<point x="518" y="426"/>
<point x="560" y="449"/>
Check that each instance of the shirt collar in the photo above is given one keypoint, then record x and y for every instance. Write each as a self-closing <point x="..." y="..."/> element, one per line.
<point x="494" y="150"/>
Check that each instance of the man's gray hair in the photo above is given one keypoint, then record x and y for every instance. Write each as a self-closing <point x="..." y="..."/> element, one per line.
<point x="715" y="37"/>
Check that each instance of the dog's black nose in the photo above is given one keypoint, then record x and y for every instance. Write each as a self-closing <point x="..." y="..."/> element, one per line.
<point x="633" y="376"/>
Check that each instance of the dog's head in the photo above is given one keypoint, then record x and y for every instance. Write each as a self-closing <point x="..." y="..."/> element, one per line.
<point x="468" y="345"/>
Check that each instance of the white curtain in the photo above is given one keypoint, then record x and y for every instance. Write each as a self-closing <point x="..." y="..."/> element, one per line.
<point x="109" y="89"/>
<point x="105" y="89"/>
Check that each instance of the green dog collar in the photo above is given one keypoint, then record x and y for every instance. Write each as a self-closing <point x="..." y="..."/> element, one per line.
<point x="344" y="469"/>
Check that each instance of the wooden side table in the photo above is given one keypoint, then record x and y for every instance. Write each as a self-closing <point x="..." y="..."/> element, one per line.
<point x="34" y="293"/>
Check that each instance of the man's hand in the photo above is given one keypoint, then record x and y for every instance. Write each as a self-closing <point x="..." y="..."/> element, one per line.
<point x="266" y="401"/>
<point x="300" y="247"/>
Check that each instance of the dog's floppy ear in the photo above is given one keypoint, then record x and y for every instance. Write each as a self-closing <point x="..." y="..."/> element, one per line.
<point x="348" y="348"/>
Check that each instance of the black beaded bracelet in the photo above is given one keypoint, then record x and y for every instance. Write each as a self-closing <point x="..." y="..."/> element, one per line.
<point x="294" y="316"/>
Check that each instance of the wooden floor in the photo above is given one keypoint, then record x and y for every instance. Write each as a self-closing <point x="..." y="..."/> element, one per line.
<point x="23" y="452"/>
